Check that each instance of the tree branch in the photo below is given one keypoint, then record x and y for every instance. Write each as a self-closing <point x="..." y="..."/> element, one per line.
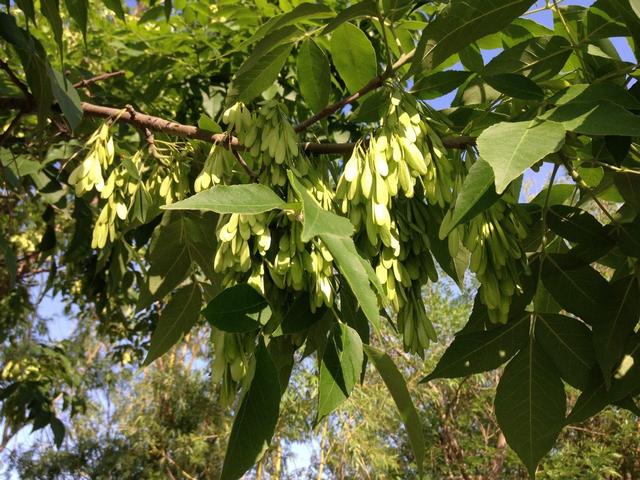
<point x="169" y="127"/>
<point x="372" y="85"/>
<point x="98" y="78"/>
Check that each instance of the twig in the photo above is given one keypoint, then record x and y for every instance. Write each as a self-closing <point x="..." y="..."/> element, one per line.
<point x="98" y="78"/>
<point x="16" y="81"/>
<point x="372" y="85"/>
<point x="253" y="175"/>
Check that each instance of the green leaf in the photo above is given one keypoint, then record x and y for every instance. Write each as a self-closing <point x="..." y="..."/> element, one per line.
<point x="116" y="7"/>
<point x="516" y="86"/>
<point x="340" y="368"/>
<point x="530" y="405"/>
<point x="538" y="58"/>
<point x="314" y="75"/>
<point x="612" y="330"/>
<point x="595" y="118"/>
<point x="177" y="318"/>
<point x="51" y="10"/>
<point x="78" y="11"/>
<point x="481" y="351"/>
<point x="256" y="419"/>
<point x="398" y="388"/>
<point x="335" y="231"/>
<point x="624" y="382"/>
<point x="628" y="185"/>
<point x="258" y="74"/>
<point x="597" y="92"/>
<point x="237" y="309"/>
<point x="304" y="11"/>
<point x="511" y="148"/>
<point x="461" y="24"/>
<point x="67" y="97"/>
<point x="34" y="61"/>
<point x="576" y="225"/>
<point x="300" y="317"/>
<point x="476" y="195"/>
<point x="568" y="343"/>
<point x="317" y="221"/>
<point x="366" y="8"/>
<point x="249" y="199"/>
<point x="635" y="6"/>
<point x="439" y="83"/>
<point x="28" y="9"/>
<point x="354" y="56"/>
<point x="372" y="108"/>
<point x="579" y="290"/>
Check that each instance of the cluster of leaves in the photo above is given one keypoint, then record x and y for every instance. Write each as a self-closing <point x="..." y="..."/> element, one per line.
<point x="559" y="277"/>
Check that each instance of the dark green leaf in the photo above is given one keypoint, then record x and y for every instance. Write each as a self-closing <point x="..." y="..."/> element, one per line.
<point x="237" y="309"/>
<point x="597" y="92"/>
<point x="300" y="316"/>
<point x="538" y="58"/>
<point x="340" y="368"/>
<point x="477" y="194"/>
<point x="628" y="185"/>
<point x="256" y="419"/>
<point x="366" y="8"/>
<point x="511" y="148"/>
<point x="464" y="22"/>
<point x="530" y="405"/>
<point x="581" y="290"/>
<point x="116" y="7"/>
<point x="439" y="84"/>
<point x="66" y="96"/>
<point x="314" y="75"/>
<point x="58" y="430"/>
<point x="372" y="108"/>
<point x="568" y="343"/>
<point x="481" y="351"/>
<point x="612" y="330"/>
<point x="595" y="118"/>
<point x="397" y="386"/>
<point x="354" y="56"/>
<point x="516" y="86"/>
<point x="177" y="318"/>
<point x="28" y="9"/>
<point x="251" y="198"/>
<point x="258" y="74"/>
<point x="576" y="225"/>
<point x="78" y="11"/>
<point x="51" y="11"/>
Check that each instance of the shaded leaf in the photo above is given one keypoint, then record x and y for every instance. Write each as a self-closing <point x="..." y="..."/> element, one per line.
<point x="51" y="11"/>
<point x="116" y="7"/>
<point x="576" y="225"/>
<point x="595" y="118"/>
<point x="177" y="318"/>
<point x="366" y="8"/>
<point x="515" y="86"/>
<point x="569" y="344"/>
<point x="67" y="97"/>
<point x="530" y="405"/>
<point x="438" y="84"/>
<point x="481" y="351"/>
<point x="78" y="11"/>
<point x="255" y="420"/>
<point x="237" y="309"/>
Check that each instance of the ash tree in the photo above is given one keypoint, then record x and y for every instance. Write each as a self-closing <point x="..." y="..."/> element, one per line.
<point x="276" y="172"/>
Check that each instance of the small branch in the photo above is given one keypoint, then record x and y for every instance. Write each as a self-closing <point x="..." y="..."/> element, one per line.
<point x="253" y="175"/>
<point x="98" y="78"/>
<point x="16" y="81"/>
<point x="372" y="85"/>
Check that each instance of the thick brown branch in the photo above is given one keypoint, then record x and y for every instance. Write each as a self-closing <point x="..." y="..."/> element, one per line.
<point x="372" y="85"/>
<point x="157" y="124"/>
<point x="98" y="78"/>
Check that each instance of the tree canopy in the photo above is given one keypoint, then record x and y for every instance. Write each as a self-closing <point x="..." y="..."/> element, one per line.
<point x="277" y="173"/>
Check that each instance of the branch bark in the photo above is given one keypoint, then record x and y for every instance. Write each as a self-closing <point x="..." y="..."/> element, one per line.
<point x="98" y="78"/>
